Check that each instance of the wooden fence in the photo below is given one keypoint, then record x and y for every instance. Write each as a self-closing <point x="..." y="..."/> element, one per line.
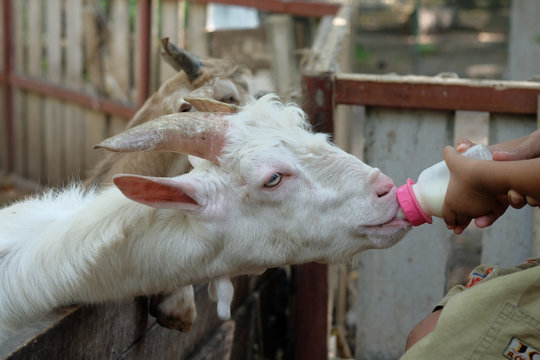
<point x="400" y="124"/>
<point x="74" y="71"/>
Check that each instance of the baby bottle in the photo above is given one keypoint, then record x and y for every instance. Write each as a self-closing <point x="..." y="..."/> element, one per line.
<point x="424" y="199"/>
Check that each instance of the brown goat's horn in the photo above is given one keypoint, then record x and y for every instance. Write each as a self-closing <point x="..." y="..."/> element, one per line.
<point x="180" y="59"/>
<point x="194" y="133"/>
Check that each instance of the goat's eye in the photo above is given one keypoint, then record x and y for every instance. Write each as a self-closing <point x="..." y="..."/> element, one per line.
<point x="274" y="180"/>
<point x="229" y="100"/>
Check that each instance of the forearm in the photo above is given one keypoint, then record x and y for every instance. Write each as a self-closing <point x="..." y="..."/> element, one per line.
<point x="522" y="176"/>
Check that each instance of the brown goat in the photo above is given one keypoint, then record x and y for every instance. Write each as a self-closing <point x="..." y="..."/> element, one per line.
<point x="212" y="78"/>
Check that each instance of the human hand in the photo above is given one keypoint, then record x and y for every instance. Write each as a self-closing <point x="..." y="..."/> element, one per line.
<point x="466" y="197"/>
<point x="527" y="148"/>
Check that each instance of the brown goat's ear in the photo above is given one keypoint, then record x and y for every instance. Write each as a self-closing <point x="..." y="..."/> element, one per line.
<point x="194" y="133"/>
<point x="205" y="104"/>
<point x="159" y="193"/>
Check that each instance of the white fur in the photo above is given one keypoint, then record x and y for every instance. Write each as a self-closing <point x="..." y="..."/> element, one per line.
<point x="86" y="247"/>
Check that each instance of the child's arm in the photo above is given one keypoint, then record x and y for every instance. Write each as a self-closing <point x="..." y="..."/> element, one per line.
<point x="477" y="187"/>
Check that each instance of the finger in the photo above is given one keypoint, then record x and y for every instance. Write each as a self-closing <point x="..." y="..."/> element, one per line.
<point x="463" y="145"/>
<point x="531" y="201"/>
<point x="525" y="150"/>
<point x="449" y="218"/>
<point x="515" y="199"/>
<point x="486" y="220"/>
<point x="449" y="154"/>
<point x="506" y="155"/>
<point x="462" y="219"/>
<point x="459" y="229"/>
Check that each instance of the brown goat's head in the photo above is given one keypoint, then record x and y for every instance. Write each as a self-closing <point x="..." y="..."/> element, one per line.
<point x="212" y="78"/>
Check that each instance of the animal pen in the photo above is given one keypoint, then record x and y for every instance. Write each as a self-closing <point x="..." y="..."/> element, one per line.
<point x="55" y="106"/>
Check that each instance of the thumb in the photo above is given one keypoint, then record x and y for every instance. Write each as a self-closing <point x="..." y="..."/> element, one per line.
<point x="450" y="154"/>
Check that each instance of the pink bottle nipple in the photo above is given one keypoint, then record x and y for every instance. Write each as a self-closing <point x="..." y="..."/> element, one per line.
<point x="410" y="206"/>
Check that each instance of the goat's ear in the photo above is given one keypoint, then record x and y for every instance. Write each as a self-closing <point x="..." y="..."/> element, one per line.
<point x="159" y="193"/>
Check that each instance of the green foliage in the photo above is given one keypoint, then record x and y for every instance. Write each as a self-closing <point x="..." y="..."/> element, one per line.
<point x="426" y="49"/>
<point x="361" y="54"/>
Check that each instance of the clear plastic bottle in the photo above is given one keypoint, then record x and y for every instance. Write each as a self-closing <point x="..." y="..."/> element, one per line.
<point x="424" y="199"/>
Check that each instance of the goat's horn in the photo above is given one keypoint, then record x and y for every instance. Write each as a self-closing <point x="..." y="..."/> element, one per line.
<point x="180" y="59"/>
<point x="195" y="133"/>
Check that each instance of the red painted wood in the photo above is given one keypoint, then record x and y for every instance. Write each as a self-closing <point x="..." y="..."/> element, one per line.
<point x="316" y="8"/>
<point x="311" y="280"/>
<point x="98" y="103"/>
<point x="438" y="94"/>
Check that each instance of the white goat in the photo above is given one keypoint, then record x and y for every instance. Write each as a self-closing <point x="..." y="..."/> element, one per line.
<point x="269" y="193"/>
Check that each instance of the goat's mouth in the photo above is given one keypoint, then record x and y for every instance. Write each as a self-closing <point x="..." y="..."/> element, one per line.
<point x="393" y="223"/>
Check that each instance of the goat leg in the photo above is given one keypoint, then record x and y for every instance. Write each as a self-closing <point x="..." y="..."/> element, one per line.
<point x="175" y="310"/>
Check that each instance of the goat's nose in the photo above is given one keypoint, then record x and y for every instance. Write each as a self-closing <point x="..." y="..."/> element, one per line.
<point x="382" y="184"/>
<point x="185" y="107"/>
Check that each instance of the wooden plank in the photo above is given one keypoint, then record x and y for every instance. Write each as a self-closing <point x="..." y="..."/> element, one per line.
<point x="536" y="226"/>
<point x="34" y="144"/>
<point x="53" y="129"/>
<point x="3" y="141"/>
<point x="196" y="40"/>
<point x="85" y="99"/>
<point x="324" y="55"/>
<point x="20" y="98"/>
<point x="419" y="92"/>
<point x="472" y="125"/>
<point x="317" y="98"/>
<point x="155" y="48"/>
<point x="117" y="65"/>
<point x="300" y="8"/>
<point x="279" y="33"/>
<point x="219" y="346"/>
<point x="311" y="304"/>
<point x="95" y="128"/>
<point x="509" y="241"/>
<point x="311" y="280"/>
<point x="73" y="114"/>
<point x="161" y="343"/>
<point x="95" y="131"/>
<point x="170" y="23"/>
<point x="96" y="332"/>
<point x="3" y="135"/>
<point x="398" y="286"/>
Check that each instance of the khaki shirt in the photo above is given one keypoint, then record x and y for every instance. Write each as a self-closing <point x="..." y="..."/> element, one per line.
<point x="496" y="317"/>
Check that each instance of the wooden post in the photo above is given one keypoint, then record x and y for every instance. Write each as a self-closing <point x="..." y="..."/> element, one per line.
<point x="279" y="33"/>
<point x="143" y="55"/>
<point x="196" y="38"/>
<point x="536" y="214"/>
<point x="8" y="90"/>
<point x="311" y="280"/>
